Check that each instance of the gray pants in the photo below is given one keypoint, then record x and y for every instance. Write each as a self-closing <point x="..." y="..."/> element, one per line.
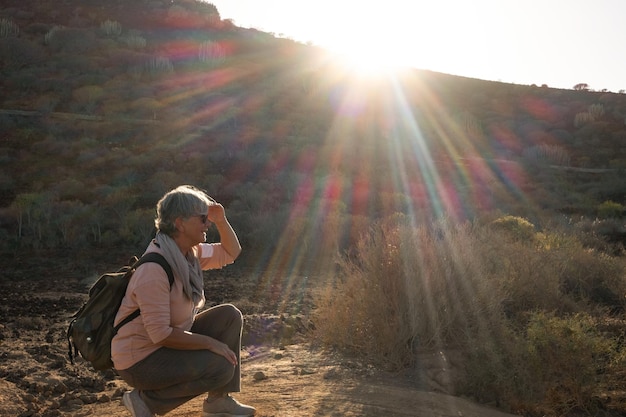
<point x="170" y="377"/>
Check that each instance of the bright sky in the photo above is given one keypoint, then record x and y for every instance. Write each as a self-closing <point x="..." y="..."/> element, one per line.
<point x="560" y="43"/>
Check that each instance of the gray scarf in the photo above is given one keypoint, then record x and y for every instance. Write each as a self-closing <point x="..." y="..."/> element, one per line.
<point x="187" y="268"/>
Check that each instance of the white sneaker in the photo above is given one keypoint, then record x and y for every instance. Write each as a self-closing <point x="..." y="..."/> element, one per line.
<point x="133" y="403"/>
<point x="226" y="406"/>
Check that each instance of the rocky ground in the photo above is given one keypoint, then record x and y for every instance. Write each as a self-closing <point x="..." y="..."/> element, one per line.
<point x="284" y="372"/>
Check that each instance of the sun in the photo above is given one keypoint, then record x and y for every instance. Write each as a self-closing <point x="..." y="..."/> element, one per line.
<point x="369" y="60"/>
<point x="370" y="55"/>
<point x="369" y="38"/>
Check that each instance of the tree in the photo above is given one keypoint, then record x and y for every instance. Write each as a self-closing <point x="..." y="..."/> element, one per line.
<point x="22" y="206"/>
<point x="581" y="87"/>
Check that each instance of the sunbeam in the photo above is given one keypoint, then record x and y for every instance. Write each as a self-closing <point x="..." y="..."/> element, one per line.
<point x="387" y="144"/>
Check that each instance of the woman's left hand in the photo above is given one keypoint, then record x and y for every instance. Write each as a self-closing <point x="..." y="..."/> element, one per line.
<point x="216" y="213"/>
<point x="222" y="349"/>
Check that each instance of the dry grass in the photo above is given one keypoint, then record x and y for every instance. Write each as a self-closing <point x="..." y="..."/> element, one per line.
<point x="523" y="306"/>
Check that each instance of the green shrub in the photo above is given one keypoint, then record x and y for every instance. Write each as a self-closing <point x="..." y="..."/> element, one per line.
<point x="594" y="234"/>
<point x="554" y="366"/>
<point x="610" y="209"/>
<point x="565" y="356"/>
<point x="517" y="227"/>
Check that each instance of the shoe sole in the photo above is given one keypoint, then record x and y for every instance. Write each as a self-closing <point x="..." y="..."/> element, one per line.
<point x="205" y="414"/>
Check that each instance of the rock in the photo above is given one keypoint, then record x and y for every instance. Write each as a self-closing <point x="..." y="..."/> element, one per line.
<point x="331" y="374"/>
<point x="30" y="398"/>
<point x="118" y="393"/>
<point x="76" y="402"/>
<point x="88" y="398"/>
<point x="305" y="371"/>
<point x="60" y="388"/>
<point x="104" y="398"/>
<point x="259" y="376"/>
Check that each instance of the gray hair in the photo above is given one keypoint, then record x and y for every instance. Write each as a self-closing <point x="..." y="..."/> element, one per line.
<point x="183" y="201"/>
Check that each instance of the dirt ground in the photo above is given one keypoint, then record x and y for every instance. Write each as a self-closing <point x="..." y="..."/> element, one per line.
<point x="284" y="373"/>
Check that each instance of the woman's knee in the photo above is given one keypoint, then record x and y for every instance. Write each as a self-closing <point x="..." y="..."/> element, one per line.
<point x="220" y="373"/>
<point x="216" y="319"/>
<point x="234" y="312"/>
<point x="223" y="311"/>
<point x="227" y="313"/>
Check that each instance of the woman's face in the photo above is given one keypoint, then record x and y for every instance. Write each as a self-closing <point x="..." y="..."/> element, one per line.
<point x="194" y="229"/>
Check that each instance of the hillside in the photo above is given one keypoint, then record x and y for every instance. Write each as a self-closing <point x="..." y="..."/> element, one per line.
<point x="115" y="103"/>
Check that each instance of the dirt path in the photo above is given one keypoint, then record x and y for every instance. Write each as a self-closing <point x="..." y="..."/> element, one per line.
<point x="294" y="380"/>
<point x="282" y="374"/>
<point x="298" y="381"/>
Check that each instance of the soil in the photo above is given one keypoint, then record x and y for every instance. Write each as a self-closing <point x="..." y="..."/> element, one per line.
<point x="284" y="373"/>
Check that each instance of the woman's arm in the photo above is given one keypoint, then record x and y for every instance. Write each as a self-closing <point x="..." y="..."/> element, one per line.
<point x="184" y="340"/>
<point x="228" y="237"/>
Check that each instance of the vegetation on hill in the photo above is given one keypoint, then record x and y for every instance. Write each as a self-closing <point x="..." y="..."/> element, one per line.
<point x="468" y="214"/>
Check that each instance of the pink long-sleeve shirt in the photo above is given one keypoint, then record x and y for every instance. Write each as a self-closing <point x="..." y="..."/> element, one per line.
<point x="162" y="308"/>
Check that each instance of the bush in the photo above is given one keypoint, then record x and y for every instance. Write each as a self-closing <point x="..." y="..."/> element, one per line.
<point x="517" y="227"/>
<point x="610" y="209"/>
<point x="565" y="356"/>
<point x="592" y="278"/>
<point x="518" y="305"/>
<point x="406" y="288"/>
<point x="554" y="366"/>
<point x="597" y="234"/>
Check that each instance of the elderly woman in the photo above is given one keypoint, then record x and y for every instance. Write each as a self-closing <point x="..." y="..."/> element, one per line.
<point x="171" y="353"/>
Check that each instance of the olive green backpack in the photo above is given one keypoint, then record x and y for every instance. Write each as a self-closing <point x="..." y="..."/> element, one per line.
<point x="91" y="329"/>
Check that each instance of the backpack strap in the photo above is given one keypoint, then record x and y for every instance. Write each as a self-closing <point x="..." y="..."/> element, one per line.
<point x="159" y="259"/>
<point x="148" y="257"/>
